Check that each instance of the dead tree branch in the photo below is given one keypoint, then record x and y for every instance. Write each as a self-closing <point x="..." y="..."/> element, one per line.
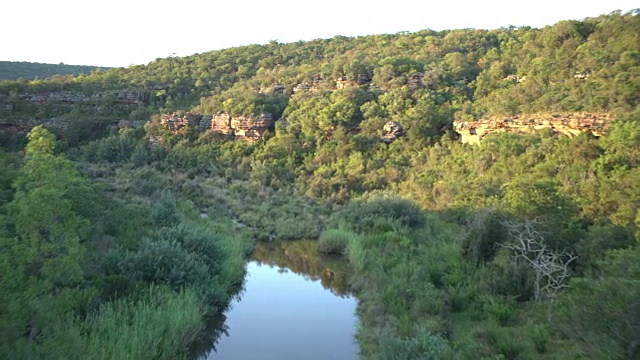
<point x="550" y="267"/>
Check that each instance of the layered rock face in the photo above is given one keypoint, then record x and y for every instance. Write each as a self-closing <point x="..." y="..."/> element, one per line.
<point x="361" y="79"/>
<point x="248" y="127"/>
<point x="14" y="129"/>
<point x="176" y="121"/>
<point x="131" y="97"/>
<point x="221" y="123"/>
<point x="68" y="97"/>
<point x="568" y="124"/>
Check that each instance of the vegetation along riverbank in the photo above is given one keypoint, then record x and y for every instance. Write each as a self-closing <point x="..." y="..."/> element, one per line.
<point x="482" y="185"/>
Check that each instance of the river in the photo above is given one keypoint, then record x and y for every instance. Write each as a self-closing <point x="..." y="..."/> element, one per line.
<point x="295" y="305"/>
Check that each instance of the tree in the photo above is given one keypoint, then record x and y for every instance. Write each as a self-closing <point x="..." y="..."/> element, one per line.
<point x="41" y="141"/>
<point x="44" y="252"/>
<point x="551" y="268"/>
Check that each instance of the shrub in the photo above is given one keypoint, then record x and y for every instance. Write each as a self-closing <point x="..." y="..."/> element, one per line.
<point x="114" y="149"/>
<point x="500" y="309"/>
<point x="485" y="231"/>
<point x="164" y="212"/>
<point x="423" y="345"/>
<point x="334" y="241"/>
<point x="198" y="240"/>
<point x="381" y="214"/>
<point x="169" y="263"/>
<point x="540" y="337"/>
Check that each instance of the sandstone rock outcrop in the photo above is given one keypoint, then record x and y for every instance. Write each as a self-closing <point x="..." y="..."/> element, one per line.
<point x="249" y="127"/>
<point x="176" y="121"/>
<point x="392" y="130"/>
<point x="343" y="83"/>
<point x="515" y="78"/>
<point x="301" y="88"/>
<point x="568" y="124"/>
<point x="273" y="89"/>
<point x="221" y="123"/>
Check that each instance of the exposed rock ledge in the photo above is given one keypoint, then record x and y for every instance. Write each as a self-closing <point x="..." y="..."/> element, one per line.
<point x="249" y="127"/>
<point x="567" y="124"/>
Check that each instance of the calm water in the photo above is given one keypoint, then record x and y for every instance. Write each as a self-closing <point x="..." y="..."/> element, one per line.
<point x="284" y="315"/>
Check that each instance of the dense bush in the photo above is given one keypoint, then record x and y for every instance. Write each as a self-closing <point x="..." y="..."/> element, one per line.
<point x="485" y="232"/>
<point x="334" y="241"/>
<point x="164" y="212"/>
<point x="113" y="149"/>
<point x="186" y="255"/>
<point x="197" y="239"/>
<point x="381" y="215"/>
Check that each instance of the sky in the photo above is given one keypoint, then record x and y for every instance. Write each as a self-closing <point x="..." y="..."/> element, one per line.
<point x="126" y="32"/>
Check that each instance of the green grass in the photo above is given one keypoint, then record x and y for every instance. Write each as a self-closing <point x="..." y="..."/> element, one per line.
<point x="159" y="325"/>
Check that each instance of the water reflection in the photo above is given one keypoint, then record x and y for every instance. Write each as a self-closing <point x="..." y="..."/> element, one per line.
<point x="302" y="258"/>
<point x="285" y="310"/>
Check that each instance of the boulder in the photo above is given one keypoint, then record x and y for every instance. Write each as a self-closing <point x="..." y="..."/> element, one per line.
<point x="392" y="130"/>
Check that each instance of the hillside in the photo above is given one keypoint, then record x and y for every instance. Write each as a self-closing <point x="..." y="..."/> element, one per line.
<point x="481" y="186"/>
<point x="13" y="70"/>
<point x="588" y="66"/>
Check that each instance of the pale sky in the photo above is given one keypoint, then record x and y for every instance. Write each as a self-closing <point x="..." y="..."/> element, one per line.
<point x="125" y="32"/>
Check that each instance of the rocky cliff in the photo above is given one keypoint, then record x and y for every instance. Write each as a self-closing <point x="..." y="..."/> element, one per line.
<point x="176" y="121"/>
<point x="247" y="127"/>
<point x="566" y="124"/>
<point x="68" y="97"/>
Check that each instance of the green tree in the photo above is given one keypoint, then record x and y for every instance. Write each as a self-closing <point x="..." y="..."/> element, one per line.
<point x="41" y="141"/>
<point x="43" y="254"/>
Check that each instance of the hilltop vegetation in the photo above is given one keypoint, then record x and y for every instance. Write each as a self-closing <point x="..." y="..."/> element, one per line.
<point x="523" y="247"/>
<point x="588" y="65"/>
<point x="13" y="70"/>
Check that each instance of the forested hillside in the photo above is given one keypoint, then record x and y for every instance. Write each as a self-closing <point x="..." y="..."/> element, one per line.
<point x="522" y="246"/>
<point x="13" y="70"/>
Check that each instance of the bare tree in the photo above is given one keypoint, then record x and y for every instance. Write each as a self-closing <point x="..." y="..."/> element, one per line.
<point x="551" y="268"/>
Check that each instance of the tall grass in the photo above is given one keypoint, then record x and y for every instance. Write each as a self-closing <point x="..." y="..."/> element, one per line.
<point x="160" y="325"/>
<point x="356" y="254"/>
<point x="232" y="271"/>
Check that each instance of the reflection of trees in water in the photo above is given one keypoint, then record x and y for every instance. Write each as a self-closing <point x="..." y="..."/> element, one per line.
<point x="302" y="257"/>
<point x="214" y="328"/>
